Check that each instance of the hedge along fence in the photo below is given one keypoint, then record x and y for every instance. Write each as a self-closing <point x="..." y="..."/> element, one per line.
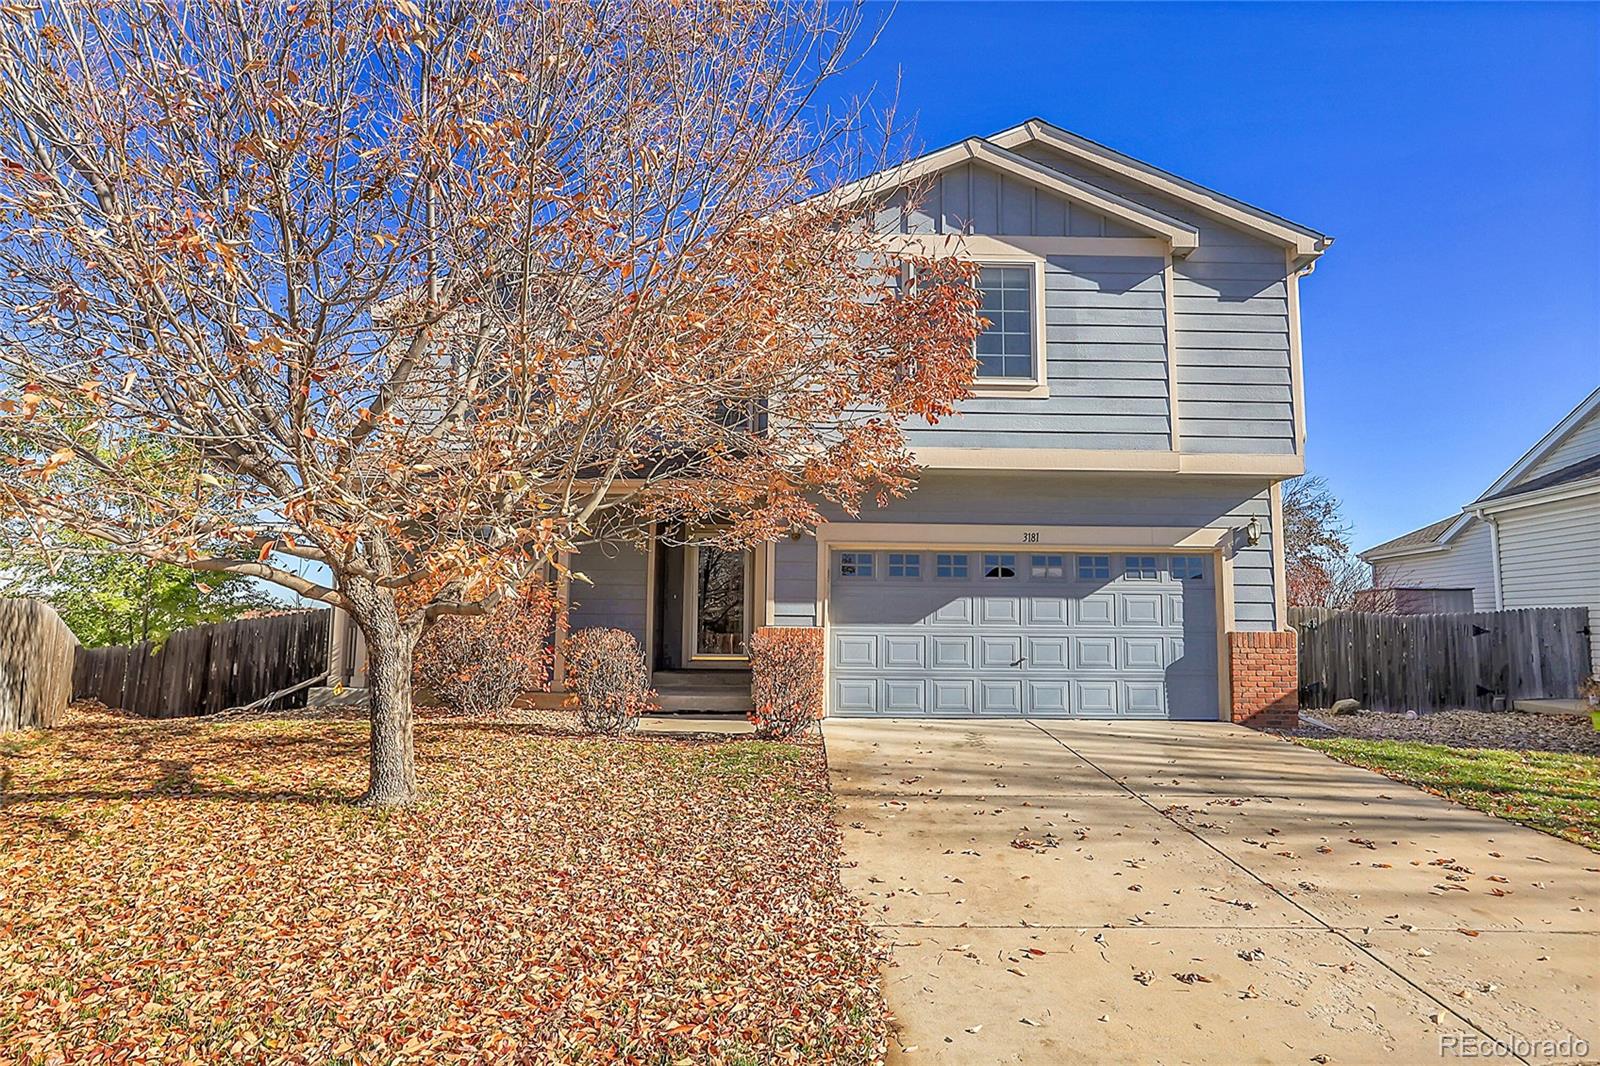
<point x="211" y="668"/>
<point x="36" y="656"/>
<point x="788" y="685"/>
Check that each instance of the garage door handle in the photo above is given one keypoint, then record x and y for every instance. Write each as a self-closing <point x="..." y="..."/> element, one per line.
<point x="1019" y="662"/>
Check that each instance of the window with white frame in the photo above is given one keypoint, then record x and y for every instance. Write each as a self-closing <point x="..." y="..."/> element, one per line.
<point x="1046" y="566"/>
<point x="1005" y="348"/>
<point x="855" y="564"/>
<point x="1187" y="568"/>
<point x="999" y="566"/>
<point x="905" y="564"/>
<point x="950" y="566"/>
<point x="1094" y="567"/>
<point x="1140" y="567"/>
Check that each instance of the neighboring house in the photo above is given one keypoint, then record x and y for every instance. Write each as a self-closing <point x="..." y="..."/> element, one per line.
<point x="1531" y="540"/>
<point x="1095" y="534"/>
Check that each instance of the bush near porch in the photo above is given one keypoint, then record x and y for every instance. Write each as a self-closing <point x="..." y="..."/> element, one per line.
<point x="207" y="890"/>
<point x="788" y="681"/>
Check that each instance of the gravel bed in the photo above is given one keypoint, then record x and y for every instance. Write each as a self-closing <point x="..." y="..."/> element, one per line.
<point x="1517" y="730"/>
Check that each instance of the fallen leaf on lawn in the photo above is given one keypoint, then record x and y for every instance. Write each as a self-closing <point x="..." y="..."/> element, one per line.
<point x="1191" y="978"/>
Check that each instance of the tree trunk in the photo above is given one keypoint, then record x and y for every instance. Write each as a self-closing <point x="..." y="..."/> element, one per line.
<point x="393" y="780"/>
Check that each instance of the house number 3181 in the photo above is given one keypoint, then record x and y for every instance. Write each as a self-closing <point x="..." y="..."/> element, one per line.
<point x="1030" y="538"/>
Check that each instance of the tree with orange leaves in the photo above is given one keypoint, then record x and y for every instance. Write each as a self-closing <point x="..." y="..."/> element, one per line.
<point x="407" y="299"/>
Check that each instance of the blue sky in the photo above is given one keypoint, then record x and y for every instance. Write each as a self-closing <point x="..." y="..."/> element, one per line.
<point x="1451" y="150"/>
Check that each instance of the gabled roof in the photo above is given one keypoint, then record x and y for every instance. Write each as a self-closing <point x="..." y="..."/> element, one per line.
<point x="1303" y="239"/>
<point x="1424" y="539"/>
<point x="1566" y="475"/>
<point x="1438" y="535"/>
<point x="998" y="152"/>
<point x="1184" y="237"/>
<point x="1547" y="444"/>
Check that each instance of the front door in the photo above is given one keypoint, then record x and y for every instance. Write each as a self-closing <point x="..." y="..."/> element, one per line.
<point x="719" y="603"/>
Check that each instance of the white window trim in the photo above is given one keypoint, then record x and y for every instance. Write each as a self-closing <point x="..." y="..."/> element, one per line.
<point x="1036" y="385"/>
<point x="691" y="615"/>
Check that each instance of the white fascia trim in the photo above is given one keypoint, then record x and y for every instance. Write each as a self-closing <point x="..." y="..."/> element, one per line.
<point x="1440" y="543"/>
<point x="1553" y="494"/>
<point x="1307" y="243"/>
<point x="1182" y="237"/>
<point x="1091" y="461"/>
<point x="1546" y="444"/>
<point x="1401" y="553"/>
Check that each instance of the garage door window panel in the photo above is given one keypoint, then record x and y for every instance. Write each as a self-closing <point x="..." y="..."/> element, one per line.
<point x="905" y="566"/>
<point x="1094" y="568"/>
<point x="1140" y="568"/>
<point x="999" y="567"/>
<point x="857" y="565"/>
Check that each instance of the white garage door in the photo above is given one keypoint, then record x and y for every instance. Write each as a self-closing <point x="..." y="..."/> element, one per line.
<point x="1021" y="633"/>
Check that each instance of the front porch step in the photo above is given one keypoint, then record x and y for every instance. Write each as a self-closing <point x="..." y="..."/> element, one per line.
<point x="724" y="691"/>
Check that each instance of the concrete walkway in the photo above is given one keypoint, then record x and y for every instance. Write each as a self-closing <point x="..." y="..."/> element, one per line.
<point x="1167" y="893"/>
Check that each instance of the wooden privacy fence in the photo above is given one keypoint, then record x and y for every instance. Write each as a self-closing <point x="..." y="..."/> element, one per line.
<point x="1391" y="662"/>
<point x="210" y="668"/>
<point x="36" y="651"/>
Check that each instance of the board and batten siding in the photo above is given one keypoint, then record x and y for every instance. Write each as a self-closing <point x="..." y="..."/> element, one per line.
<point x="1468" y="563"/>
<point x="1230" y="302"/>
<point x="617" y="598"/>
<point x="1550" y="557"/>
<point x="1022" y="498"/>
<point x="1582" y="442"/>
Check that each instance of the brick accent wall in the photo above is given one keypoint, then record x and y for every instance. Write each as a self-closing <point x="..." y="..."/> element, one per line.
<point x="1265" y="679"/>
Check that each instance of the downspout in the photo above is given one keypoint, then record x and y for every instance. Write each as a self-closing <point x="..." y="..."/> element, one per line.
<point x="1494" y="556"/>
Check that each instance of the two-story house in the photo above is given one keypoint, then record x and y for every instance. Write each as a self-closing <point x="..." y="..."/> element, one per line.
<point x="1095" y="534"/>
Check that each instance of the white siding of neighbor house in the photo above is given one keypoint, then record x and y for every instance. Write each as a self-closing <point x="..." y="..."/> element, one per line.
<point x="1550" y="557"/>
<point x="616" y="599"/>
<point x="1467" y="564"/>
<point x="1581" y="443"/>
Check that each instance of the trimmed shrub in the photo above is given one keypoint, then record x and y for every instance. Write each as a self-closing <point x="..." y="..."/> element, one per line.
<point x="485" y="663"/>
<point x="786" y="680"/>
<point x="608" y="678"/>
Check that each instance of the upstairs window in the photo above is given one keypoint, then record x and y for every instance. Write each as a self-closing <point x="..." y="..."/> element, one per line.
<point x="855" y="564"/>
<point x="1005" y="348"/>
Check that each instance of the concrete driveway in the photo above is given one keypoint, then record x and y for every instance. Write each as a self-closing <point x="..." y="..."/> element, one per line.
<point x="1165" y="893"/>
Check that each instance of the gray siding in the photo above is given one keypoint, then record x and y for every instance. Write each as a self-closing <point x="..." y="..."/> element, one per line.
<point x="975" y="199"/>
<point x="794" y="582"/>
<point x="616" y="598"/>
<point x="1467" y="564"/>
<point x="1231" y="324"/>
<point x="1089" y="500"/>
<point x="1106" y="355"/>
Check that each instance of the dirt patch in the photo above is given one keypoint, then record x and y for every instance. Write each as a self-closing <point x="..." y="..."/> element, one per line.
<point x="1516" y="730"/>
